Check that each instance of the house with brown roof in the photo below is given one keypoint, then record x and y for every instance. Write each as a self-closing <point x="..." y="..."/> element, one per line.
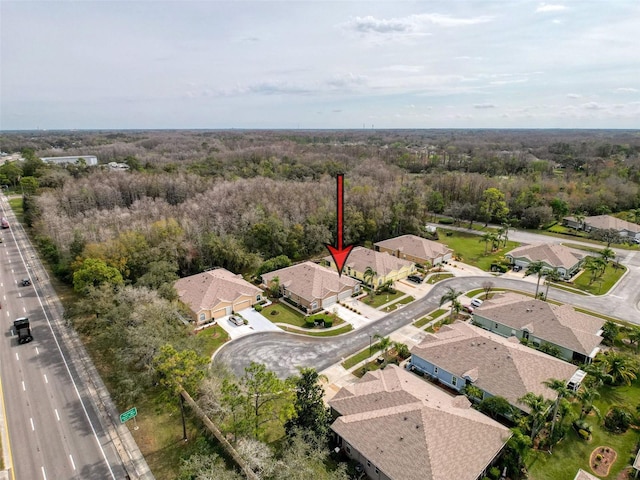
<point x="216" y="293"/>
<point x="312" y="287"/>
<point x="604" y="222"/>
<point x="415" y="249"/>
<point x="566" y="261"/>
<point x="575" y="334"/>
<point x="461" y="354"/>
<point x="582" y="475"/>
<point x="387" y="268"/>
<point x="400" y="427"/>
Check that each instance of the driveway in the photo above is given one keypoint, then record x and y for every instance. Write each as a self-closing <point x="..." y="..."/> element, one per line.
<point x="257" y="323"/>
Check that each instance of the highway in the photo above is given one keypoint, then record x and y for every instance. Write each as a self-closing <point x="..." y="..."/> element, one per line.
<point x="52" y="430"/>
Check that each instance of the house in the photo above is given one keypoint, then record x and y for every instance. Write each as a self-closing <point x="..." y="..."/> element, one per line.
<point x="416" y="249"/>
<point x="89" y="160"/>
<point x="387" y="268"/>
<point x="566" y="261"/>
<point x="216" y="293"/>
<point x="312" y="287"/>
<point x="400" y="427"/>
<point x="575" y="334"/>
<point x="461" y="354"/>
<point x="604" y="222"/>
<point x="582" y="475"/>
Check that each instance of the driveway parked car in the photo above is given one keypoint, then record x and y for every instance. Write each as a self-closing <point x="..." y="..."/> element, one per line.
<point x="467" y="308"/>
<point x="415" y="278"/>
<point x="476" y="302"/>
<point x="517" y="268"/>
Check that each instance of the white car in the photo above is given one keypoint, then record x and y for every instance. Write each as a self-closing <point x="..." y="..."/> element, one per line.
<point x="476" y="302"/>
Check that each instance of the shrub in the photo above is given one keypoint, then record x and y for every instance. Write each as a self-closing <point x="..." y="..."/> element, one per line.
<point x="310" y="322"/>
<point x="328" y="323"/>
<point x="598" y="457"/>
<point x="618" y="420"/>
<point x="584" y="434"/>
<point x="274" y="312"/>
<point x="446" y="221"/>
<point x="494" y="472"/>
<point x="257" y="308"/>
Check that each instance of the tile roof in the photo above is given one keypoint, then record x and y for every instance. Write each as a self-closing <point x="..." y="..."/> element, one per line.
<point x="500" y="366"/>
<point x="558" y="324"/>
<point x="206" y="290"/>
<point x="603" y="222"/>
<point x="415" y="246"/>
<point x="381" y="262"/>
<point x="553" y="254"/>
<point x="310" y="281"/>
<point x="412" y="430"/>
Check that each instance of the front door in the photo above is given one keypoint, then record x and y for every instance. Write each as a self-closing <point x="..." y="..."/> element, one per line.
<point x="229" y="310"/>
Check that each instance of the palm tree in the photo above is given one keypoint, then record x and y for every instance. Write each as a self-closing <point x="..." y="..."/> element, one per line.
<point x="538" y="269"/>
<point x="369" y="274"/>
<point x="560" y="387"/>
<point x="579" y="220"/>
<point x="634" y="337"/>
<point x="594" y="266"/>
<point x="622" y="368"/>
<point x="552" y="276"/>
<point x="505" y="233"/>
<point x="384" y="343"/>
<point x="486" y="238"/>
<point x="538" y="411"/>
<point x="607" y="254"/>
<point x="587" y="396"/>
<point x="596" y="374"/>
<point x="452" y="296"/>
<point x="473" y="393"/>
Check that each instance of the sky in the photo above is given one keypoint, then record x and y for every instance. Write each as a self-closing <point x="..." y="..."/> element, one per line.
<point x="314" y="64"/>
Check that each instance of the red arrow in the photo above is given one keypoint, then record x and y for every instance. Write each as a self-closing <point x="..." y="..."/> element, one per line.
<point x="341" y="253"/>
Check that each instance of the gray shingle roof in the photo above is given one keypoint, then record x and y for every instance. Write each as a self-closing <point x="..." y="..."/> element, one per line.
<point x="582" y="475"/>
<point x="603" y="222"/>
<point x="415" y="246"/>
<point x="311" y="281"/>
<point x="559" y="324"/>
<point x="495" y="364"/>
<point x="206" y="290"/>
<point x="381" y="262"/>
<point x="554" y="254"/>
<point x="418" y="432"/>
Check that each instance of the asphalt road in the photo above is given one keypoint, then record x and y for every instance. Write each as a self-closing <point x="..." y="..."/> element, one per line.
<point x="53" y="429"/>
<point x="284" y="353"/>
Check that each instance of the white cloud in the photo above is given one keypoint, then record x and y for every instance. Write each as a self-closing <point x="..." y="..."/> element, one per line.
<point x="574" y="95"/>
<point x="548" y="7"/>
<point x="626" y="90"/>
<point x="592" y="106"/>
<point x="484" y="105"/>
<point x="411" y="24"/>
<point x="449" y="21"/>
<point x="371" y="24"/>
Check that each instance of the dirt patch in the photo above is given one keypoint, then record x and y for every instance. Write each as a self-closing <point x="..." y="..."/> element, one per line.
<point x="601" y="460"/>
<point x="625" y="474"/>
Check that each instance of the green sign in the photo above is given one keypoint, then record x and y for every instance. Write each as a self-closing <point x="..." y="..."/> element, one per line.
<point x="128" y="415"/>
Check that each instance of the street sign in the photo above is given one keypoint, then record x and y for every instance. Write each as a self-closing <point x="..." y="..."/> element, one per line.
<point x="128" y="415"/>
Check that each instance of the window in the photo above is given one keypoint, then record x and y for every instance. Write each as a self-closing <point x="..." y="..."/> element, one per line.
<point x="377" y="471"/>
<point x="348" y="449"/>
<point x="203" y="317"/>
<point x="454" y="381"/>
<point x="495" y="325"/>
<point x="368" y="463"/>
<point x="258" y="298"/>
<point x="314" y="305"/>
<point x="435" y="369"/>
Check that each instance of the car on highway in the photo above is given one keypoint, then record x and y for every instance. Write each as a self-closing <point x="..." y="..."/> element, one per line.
<point x="25" y="282"/>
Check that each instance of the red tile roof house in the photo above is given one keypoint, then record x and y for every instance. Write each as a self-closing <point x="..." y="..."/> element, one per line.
<point x="399" y="427"/>
<point x="387" y="267"/>
<point x="416" y="249"/>
<point x="312" y="287"/>
<point x="575" y="334"/>
<point x="216" y="293"/>
<point x="566" y="261"/>
<point x="461" y="354"/>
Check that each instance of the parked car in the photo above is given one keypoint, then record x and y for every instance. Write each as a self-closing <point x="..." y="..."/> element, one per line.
<point x="236" y="320"/>
<point x="517" y="268"/>
<point x="476" y="302"/>
<point x="415" y="278"/>
<point x="467" y="308"/>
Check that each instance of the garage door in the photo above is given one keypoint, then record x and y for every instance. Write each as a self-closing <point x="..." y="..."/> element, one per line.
<point x="241" y="305"/>
<point x="327" y="302"/>
<point x="345" y="294"/>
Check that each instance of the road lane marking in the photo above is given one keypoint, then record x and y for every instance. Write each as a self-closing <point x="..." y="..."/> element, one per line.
<point x="46" y="380"/>
<point x="44" y="475"/>
<point x="24" y="389"/>
<point x="33" y="427"/>
<point x="37" y="351"/>
<point x="57" y="416"/>
<point x="72" y="462"/>
<point x="24" y="309"/>
<point x="17" y="357"/>
<point x="19" y="294"/>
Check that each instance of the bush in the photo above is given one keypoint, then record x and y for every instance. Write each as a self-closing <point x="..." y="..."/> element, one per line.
<point x="257" y="308"/>
<point x="494" y="472"/>
<point x="446" y="221"/>
<point x="310" y="322"/>
<point x="328" y="323"/>
<point x="618" y="420"/>
<point x="274" y="312"/>
<point x="584" y="434"/>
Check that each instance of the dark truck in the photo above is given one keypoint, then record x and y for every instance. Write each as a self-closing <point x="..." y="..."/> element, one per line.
<point x="22" y="328"/>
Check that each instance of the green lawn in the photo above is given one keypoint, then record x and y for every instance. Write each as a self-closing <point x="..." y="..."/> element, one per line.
<point x="16" y="206"/>
<point x="470" y="248"/>
<point x="382" y="298"/>
<point x="573" y="453"/>
<point x="439" y="276"/>
<point x="433" y="315"/>
<point x="601" y="285"/>
<point x="286" y="314"/>
<point x="402" y="301"/>
<point x="320" y="333"/>
<point x="360" y="356"/>
<point x="212" y="338"/>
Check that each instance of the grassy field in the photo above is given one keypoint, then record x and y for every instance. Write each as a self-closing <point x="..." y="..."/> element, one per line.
<point x="382" y="298"/>
<point x="601" y="285"/>
<point x="320" y="333"/>
<point x="470" y="248"/>
<point x="16" y="206"/>
<point x="433" y="315"/>
<point x="402" y="301"/>
<point x="573" y="453"/>
<point x="360" y="356"/>
<point x="439" y="276"/>
<point x="286" y="314"/>
<point x="212" y="338"/>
